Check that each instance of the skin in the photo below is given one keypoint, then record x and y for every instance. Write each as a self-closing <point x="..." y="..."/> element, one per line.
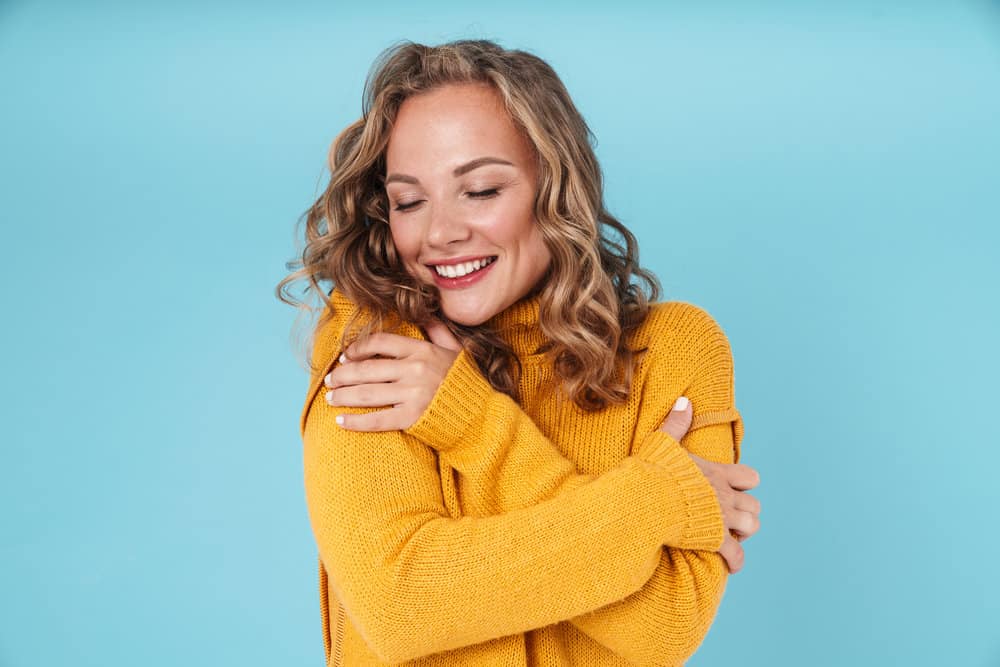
<point x="485" y="211"/>
<point x="482" y="209"/>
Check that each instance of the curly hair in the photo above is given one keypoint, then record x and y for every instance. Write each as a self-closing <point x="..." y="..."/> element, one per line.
<point x="589" y="303"/>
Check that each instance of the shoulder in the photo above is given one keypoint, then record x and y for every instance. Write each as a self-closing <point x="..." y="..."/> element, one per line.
<point x="339" y="310"/>
<point x="686" y="352"/>
<point x="330" y="328"/>
<point x="339" y="324"/>
<point x="344" y="319"/>
<point x="680" y="330"/>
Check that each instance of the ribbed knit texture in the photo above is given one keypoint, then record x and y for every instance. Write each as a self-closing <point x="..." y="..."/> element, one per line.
<point x="495" y="532"/>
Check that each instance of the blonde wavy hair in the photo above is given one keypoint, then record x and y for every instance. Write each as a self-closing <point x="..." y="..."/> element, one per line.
<point x="589" y="303"/>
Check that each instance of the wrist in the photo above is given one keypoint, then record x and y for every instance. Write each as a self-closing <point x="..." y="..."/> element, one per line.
<point x="455" y="407"/>
<point x="692" y="507"/>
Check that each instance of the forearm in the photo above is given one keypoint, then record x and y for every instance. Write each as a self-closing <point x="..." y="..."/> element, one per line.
<point x="417" y="581"/>
<point x="666" y="621"/>
<point x="511" y="465"/>
<point x="508" y="463"/>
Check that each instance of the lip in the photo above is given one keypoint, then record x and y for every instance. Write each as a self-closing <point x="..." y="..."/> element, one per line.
<point x="466" y="280"/>
<point x="458" y="260"/>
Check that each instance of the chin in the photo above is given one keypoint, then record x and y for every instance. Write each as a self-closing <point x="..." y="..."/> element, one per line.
<point x="466" y="320"/>
<point x="464" y="317"/>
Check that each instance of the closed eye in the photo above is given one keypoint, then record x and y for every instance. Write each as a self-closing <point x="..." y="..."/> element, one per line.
<point x="484" y="194"/>
<point x="407" y="206"/>
<point x="480" y="194"/>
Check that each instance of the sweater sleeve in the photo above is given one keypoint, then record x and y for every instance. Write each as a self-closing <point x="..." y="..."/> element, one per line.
<point x="486" y="436"/>
<point x="417" y="581"/>
<point x="666" y="620"/>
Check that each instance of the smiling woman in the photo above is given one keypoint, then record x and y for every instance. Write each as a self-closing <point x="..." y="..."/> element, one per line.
<point x="443" y="218"/>
<point x="513" y="455"/>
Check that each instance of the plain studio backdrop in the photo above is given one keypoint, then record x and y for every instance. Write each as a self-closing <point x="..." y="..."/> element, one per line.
<point x="823" y="178"/>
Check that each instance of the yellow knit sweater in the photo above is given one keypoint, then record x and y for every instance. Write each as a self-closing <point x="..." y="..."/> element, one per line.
<point x="493" y="532"/>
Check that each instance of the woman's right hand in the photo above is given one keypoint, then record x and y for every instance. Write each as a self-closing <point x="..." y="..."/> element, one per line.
<point x="740" y="510"/>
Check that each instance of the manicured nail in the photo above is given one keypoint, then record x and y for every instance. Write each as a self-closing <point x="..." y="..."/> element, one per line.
<point x="329" y="396"/>
<point x="340" y="419"/>
<point x="343" y="359"/>
<point x="681" y="403"/>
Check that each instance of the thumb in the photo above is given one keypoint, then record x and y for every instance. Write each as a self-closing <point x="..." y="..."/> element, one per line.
<point x="440" y="335"/>
<point x="678" y="421"/>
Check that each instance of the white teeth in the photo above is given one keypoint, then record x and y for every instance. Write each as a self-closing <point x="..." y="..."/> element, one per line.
<point x="459" y="270"/>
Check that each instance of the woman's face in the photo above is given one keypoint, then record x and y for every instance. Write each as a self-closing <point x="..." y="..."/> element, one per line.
<point x="461" y="183"/>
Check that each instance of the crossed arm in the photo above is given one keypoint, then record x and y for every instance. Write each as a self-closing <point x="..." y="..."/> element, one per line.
<point x="664" y="621"/>
<point x="417" y="581"/>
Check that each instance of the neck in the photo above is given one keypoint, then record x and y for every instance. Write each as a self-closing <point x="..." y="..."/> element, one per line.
<point x="519" y="325"/>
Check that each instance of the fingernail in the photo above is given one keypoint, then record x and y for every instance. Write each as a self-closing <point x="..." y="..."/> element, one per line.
<point x="681" y="403"/>
<point x="339" y="419"/>
<point x="329" y="396"/>
<point x="326" y="380"/>
<point x="343" y="359"/>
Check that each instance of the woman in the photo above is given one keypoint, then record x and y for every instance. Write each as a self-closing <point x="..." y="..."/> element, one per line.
<point x="496" y="470"/>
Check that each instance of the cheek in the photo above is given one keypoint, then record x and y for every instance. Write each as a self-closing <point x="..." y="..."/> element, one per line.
<point x="406" y="244"/>
<point x="407" y="247"/>
<point x="509" y="226"/>
<point x="529" y="237"/>
<point x="540" y="256"/>
<point x="533" y="247"/>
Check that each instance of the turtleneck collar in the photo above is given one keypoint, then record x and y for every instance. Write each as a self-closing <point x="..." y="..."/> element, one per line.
<point x="519" y="325"/>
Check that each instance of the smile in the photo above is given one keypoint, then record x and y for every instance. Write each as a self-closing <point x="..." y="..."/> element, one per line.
<point x="459" y="270"/>
<point x="456" y="276"/>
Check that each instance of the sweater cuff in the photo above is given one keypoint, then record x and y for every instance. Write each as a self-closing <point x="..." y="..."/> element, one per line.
<point x="694" y="504"/>
<point x="458" y="403"/>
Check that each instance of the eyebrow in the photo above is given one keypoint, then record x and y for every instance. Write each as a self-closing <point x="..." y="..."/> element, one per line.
<point x="458" y="171"/>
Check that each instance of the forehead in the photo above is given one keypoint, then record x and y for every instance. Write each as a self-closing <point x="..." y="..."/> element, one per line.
<point x="454" y="123"/>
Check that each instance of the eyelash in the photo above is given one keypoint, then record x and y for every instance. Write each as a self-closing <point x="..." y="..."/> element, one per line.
<point x="481" y="194"/>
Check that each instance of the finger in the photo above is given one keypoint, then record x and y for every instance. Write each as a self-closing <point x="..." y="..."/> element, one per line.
<point x="365" y="371"/>
<point x="390" y="419"/>
<point x="733" y="553"/>
<point x="678" y="421"/>
<point x="747" y="503"/>
<point x="382" y="343"/>
<point x="439" y="334"/>
<point x="367" y="395"/>
<point x="742" y="477"/>
<point x="744" y="523"/>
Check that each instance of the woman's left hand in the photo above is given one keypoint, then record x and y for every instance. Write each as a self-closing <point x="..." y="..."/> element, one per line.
<point x="407" y="377"/>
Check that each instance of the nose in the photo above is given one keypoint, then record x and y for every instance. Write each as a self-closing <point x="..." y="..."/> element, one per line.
<point x="446" y="225"/>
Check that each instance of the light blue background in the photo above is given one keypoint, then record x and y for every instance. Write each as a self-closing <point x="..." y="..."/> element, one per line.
<point x="821" y="177"/>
